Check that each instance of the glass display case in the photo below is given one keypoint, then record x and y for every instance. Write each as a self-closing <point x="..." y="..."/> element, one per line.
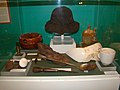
<point x="31" y="16"/>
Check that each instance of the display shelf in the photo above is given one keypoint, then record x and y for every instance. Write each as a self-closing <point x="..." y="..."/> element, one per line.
<point x="61" y="2"/>
<point x="2" y="63"/>
<point x="117" y="63"/>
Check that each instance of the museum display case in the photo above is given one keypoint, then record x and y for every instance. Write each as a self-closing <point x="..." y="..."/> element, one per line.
<point x="63" y="69"/>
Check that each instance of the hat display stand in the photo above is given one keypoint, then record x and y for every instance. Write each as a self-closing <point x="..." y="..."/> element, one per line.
<point x="62" y="43"/>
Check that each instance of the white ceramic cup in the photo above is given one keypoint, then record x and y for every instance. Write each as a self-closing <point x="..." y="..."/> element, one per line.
<point x="107" y="55"/>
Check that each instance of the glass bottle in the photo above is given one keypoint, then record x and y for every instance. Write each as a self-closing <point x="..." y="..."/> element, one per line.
<point x="89" y="37"/>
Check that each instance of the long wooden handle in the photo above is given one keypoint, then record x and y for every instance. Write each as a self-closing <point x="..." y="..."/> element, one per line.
<point x="38" y="69"/>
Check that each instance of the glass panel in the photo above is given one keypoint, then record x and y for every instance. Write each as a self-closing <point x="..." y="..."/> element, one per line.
<point x="32" y="15"/>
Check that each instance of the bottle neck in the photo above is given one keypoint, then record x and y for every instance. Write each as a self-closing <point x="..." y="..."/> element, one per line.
<point x="89" y="27"/>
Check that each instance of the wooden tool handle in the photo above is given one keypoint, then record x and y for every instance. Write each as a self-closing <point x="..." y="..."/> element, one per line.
<point x="38" y="69"/>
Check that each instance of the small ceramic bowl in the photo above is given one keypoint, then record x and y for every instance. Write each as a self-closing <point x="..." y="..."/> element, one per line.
<point x="23" y="62"/>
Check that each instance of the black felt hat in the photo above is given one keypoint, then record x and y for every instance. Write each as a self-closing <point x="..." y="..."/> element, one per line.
<point x="62" y="22"/>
